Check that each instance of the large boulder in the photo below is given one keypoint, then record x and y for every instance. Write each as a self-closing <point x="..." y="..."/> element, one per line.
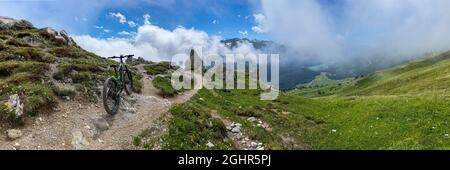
<point x="49" y="32"/>
<point x="61" y="37"/>
<point x="6" y="23"/>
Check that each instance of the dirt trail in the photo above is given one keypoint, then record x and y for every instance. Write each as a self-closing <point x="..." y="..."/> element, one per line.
<point x="75" y="125"/>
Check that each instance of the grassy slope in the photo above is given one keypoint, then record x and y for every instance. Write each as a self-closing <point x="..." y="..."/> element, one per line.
<point x="427" y="76"/>
<point x="405" y="107"/>
<point x="23" y="68"/>
<point x="321" y="86"/>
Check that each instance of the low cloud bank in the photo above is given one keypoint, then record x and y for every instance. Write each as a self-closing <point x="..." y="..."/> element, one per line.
<point x="156" y="43"/>
<point x="355" y="31"/>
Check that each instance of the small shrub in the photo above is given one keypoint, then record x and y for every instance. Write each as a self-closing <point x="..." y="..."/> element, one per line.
<point x="247" y="112"/>
<point x="137" y="141"/>
<point x="38" y="96"/>
<point x="81" y="77"/>
<point x="137" y="82"/>
<point x="11" y="117"/>
<point x="158" y="68"/>
<point x="3" y="46"/>
<point x="17" y="42"/>
<point x="69" y="52"/>
<point x="188" y="129"/>
<point x="3" y="37"/>
<point x="63" y="91"/>
<point x="13" y="66"/>
<point x="164" y="84"/>
<point x="219" y="127"/>
<point x="34" y="54"/>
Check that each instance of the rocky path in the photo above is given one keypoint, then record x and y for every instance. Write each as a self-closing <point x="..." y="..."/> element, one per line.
<point x="77" y="125"/>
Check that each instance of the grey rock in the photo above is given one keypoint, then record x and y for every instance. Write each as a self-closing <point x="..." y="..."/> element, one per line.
<point x="78" y="140"/>
<point x="14" y="134"/>
<point x="209" y="124"/>
<point x="14" y="105"/>
<point x="101" y="124"/>
<point x="229" y="127"/>
<point x="60" y="39"/>
<point x="238" y="136"/>
<point x="210" y="145"/>
<point x="253" y="144"/>
<point x="236" y="129"/>
<point x="64" y="34"/>
<point x="251" y="119"/>
<point x="6" y="22"/>
<point x="50" y="32"/>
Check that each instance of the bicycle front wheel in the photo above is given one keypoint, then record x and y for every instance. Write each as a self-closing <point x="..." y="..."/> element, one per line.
<point x="111" y="96"/>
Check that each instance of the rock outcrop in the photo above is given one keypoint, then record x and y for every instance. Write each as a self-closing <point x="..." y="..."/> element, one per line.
<point x="6" y="23"/>
<point x="61" y="37"/>
<point x="14" y="105"/>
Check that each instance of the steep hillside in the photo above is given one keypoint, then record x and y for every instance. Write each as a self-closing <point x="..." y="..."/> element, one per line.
<point x="38" y="66"/>
<point x="425" y="76"/>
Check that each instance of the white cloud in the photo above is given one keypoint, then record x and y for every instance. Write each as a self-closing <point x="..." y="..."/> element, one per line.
<point x="243" y="33"/>
<point x="125" y="33"/>
<point x="131" y="24"/>
<point x="146" y="19"/>
<point x="121" y="17"/>
<point x="214" y="22"/>
<point x="98" y="27"/>
<point x="155" y="43"/>
<point x="107" y="30"/>
<point x="260" y="20"/>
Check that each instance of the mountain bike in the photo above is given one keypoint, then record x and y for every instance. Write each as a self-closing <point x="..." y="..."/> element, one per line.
<point x="115" y="85"/>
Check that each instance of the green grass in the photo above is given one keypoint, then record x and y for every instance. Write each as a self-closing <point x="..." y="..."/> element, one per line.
<point x="61" y="91"/>
<point x="137" y="81"/>
<point x="188" y="129"/>
<point x="165" y="86"/>
<point x="321" y="86"/>
<point x="367" y="122"/>
<point x="426" y="76"/>
<point x="158" y="68"/>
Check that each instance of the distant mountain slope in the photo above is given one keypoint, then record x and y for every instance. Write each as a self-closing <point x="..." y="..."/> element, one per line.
<point x="322" y="85"/>
<point x="429" y="75"/>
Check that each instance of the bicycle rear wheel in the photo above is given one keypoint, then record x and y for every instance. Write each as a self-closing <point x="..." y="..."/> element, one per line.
<point x="128" y="82"/>
<point x="111" y="96"/>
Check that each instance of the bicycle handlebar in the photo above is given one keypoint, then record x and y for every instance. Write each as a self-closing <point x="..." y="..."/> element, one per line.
<point x="122" y="56"/>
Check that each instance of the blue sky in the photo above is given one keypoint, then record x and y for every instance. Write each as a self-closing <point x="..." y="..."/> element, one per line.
<point x="225" y="18"/>
<point x="81" y="17"/>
